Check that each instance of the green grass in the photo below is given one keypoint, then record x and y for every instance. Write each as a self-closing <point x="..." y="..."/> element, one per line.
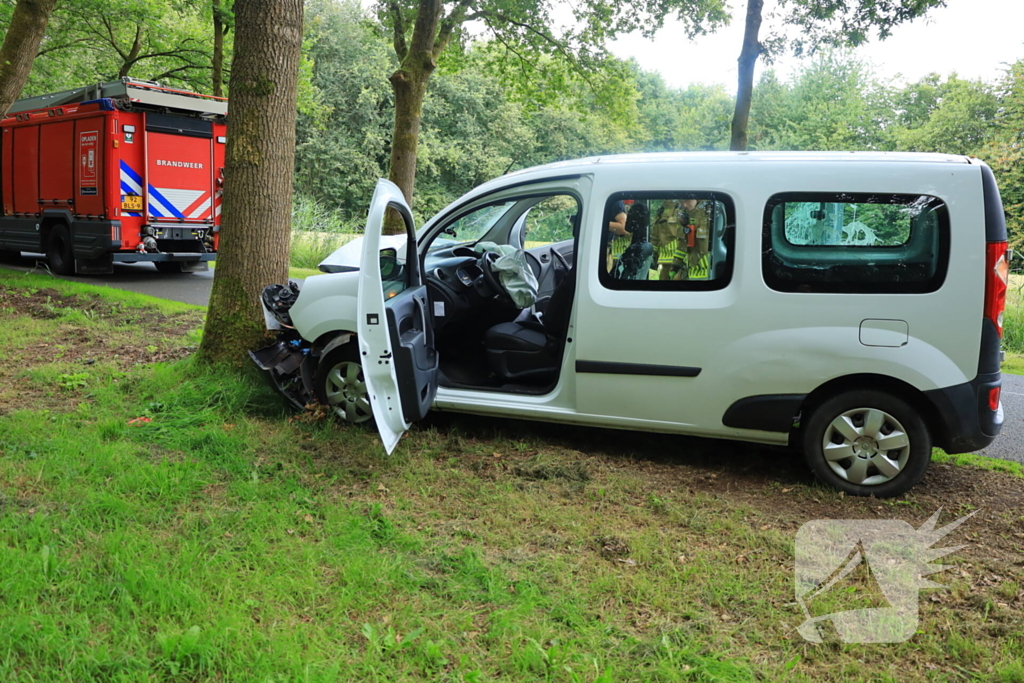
<point x="308" y="249"/>
<point x="224" y="538"/>
<point x="1013" y="364"/>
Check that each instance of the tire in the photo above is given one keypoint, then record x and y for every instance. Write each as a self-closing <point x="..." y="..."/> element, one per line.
<point x="59" y="252"/>
<point x="852" y="424"/>
<point x="338" y="384"/>
<point x="168" y="267"/>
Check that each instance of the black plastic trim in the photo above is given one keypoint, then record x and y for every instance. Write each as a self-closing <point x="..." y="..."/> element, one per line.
<point x="91" y="238"/>
<point x="995" y="218"/>
<point x="20" y="234"/>
<point x="600" y="367"/>
<point x="991" y="348"/>
<point x="968" y="423"/>
<point x="765" y="413"/>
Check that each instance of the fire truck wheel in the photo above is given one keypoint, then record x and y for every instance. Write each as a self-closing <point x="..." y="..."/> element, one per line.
<point x="168" y="267"/>
<point x="58" y="251"/>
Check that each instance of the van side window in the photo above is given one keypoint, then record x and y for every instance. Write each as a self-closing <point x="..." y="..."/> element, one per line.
<point x="855" y="243"/>
<point x="667" y="241"/>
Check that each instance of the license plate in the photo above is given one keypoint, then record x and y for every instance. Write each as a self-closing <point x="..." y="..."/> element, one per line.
<point x="131" y="202"/>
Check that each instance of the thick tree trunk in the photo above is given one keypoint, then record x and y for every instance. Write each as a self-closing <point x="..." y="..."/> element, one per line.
<point x="218" y="50"/>
<point x="748" y="58"/>
<point x="21" y="44"/>
<point x="256" y="220"/>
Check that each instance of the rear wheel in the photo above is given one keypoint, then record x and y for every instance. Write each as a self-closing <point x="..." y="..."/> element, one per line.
<point x="59" y="254"/>
<point x="339" y="384"/>
<point x="867" y="443"/>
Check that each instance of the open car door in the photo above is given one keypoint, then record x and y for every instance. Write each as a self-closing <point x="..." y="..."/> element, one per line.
<point x="396" y="341"/>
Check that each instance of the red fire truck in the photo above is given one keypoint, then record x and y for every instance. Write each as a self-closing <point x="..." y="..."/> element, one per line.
<point x="123" y="171"/>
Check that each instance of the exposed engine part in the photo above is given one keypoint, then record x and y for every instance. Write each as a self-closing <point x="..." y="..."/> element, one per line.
<point x="279" y="299"/>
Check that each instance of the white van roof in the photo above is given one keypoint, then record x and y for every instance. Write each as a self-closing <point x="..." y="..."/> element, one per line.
<point x="750" y="157"/>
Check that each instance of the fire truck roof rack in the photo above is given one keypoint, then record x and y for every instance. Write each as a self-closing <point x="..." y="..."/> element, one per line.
<point x="142" y="94"/>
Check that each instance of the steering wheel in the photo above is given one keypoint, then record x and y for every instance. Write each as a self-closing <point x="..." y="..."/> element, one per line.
<point x="491" y="278"/>
<point x="562" y="262"/>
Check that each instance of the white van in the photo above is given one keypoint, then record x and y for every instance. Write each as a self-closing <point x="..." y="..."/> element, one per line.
<point x="849" y="304"/>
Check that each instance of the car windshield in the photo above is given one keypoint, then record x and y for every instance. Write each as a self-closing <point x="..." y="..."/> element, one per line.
<point x="471" y="227"/>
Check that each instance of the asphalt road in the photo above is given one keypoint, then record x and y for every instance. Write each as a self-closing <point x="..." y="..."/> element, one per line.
<point x="191" y="288"/>
<point x="1010" y="444"/>
<point x="195" y="289"/>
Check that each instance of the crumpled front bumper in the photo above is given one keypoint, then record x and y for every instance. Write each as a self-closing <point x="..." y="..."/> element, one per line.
<point x="291" y="367"/>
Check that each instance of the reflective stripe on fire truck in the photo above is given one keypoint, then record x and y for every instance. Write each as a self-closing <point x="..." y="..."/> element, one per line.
<point x="131" y="183"/>
<point x="168" y="201"/>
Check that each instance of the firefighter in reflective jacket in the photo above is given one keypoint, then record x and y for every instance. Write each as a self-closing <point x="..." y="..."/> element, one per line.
<point x="681" y="234"/>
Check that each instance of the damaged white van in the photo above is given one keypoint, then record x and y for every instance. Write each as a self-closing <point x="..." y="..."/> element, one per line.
<point x="849" y="304"/>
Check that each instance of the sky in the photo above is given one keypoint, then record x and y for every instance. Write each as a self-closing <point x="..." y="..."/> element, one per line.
<point x="974" y="38"/>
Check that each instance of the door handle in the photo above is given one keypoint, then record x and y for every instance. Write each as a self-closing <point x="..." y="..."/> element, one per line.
<point x="544" y="258"/>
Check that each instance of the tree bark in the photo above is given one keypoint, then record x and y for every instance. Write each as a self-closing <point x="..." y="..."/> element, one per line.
<point x="409" y="82"/>
<point x="21" y="44"/>
<point x="257" y="201"/>
<point x="748" y="58"/>
<point x="218" y="50"/>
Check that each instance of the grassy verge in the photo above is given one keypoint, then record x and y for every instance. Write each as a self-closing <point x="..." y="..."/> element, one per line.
<point x="222" y="538"/>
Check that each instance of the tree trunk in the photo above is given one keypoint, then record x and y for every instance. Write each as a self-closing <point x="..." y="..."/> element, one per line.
<point x="410" y="89"/>
<point x="418" y="61"/>
<point x="21" y="44"/>
<point x="257" y="201"/>
<point x="748" y="58"/>
<point x="218" y="50"/>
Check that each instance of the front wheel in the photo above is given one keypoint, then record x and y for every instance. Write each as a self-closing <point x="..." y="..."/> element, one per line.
<point x="339" y="384"/>
<point x="867" y="443"/>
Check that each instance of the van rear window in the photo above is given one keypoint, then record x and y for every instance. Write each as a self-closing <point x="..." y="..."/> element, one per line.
<point x="855" y="243"/>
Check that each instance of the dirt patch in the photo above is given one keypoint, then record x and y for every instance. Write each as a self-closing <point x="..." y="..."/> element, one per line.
<point x="82" y="331"/>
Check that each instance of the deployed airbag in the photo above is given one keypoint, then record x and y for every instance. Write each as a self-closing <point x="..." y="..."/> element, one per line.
<point x="514" y="272"/>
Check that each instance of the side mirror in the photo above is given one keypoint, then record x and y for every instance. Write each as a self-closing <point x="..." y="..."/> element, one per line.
<point x="389" y="266"/>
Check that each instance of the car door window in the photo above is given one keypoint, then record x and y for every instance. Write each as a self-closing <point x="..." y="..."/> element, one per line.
<point x="667" y="240"/>
<point x="550" y="221"/>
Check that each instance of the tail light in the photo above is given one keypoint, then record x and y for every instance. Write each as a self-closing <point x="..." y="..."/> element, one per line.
<point x="997" y="280"/>
<point x="993" y="398"/>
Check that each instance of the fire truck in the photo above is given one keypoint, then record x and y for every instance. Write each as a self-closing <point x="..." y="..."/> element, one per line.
<point x="125" y="171"/>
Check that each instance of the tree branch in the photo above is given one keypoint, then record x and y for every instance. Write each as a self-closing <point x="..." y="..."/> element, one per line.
<point x="551" y="40"/>
<point x="113" y="40"/>
<point x="401" y="49"/>
<point x="454" y="19"/>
